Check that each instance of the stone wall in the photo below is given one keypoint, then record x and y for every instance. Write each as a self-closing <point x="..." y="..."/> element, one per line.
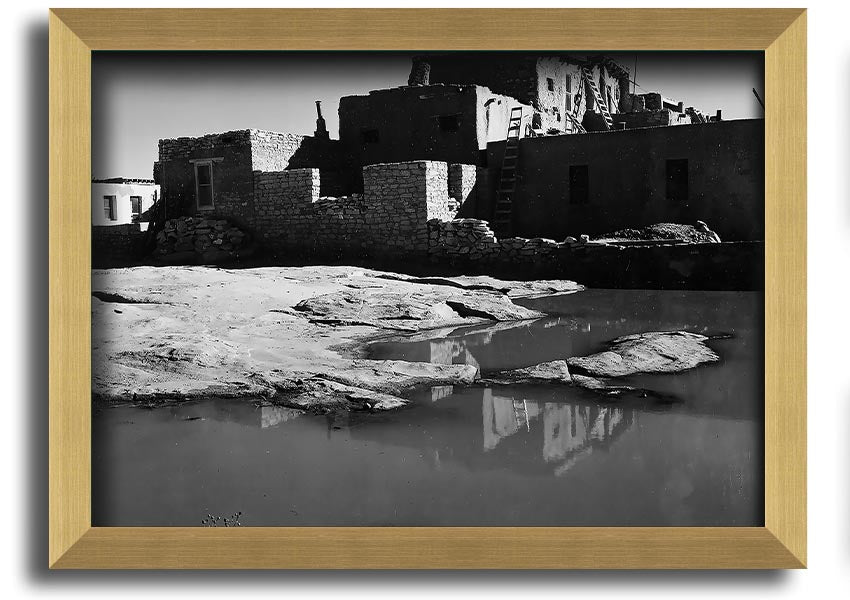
<point x="467" y="242"/>
<point x="470" y="246"/>
<point x="236" y="155"/>
<point x="389" y="220"/>
<point x="462" y="182"/>
<point x="400" y="199"/>
<point x="231" y="174"/>
<point x="272" y="151"/>
<point x="117" y="244"/>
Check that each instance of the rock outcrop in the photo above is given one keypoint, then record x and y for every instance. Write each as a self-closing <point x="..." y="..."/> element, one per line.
<point x="652" y="352"/>
<point x="278" y="333"/>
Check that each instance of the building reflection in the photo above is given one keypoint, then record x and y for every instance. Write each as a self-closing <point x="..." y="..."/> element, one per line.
<point x="238" y="411"/>
<point x="568" y="430"/>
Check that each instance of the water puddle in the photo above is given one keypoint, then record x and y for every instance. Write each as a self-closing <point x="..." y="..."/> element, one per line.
<point x="547" y="455"/>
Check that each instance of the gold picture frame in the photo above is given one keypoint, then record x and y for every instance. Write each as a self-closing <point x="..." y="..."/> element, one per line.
<point x="74" y="543"/>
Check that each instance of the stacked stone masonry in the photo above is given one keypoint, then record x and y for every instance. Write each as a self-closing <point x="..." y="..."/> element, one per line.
<point x="463" y="241"/>
<point x="405" y="212"/>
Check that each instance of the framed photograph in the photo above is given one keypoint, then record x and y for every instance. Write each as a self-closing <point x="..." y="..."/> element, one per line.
<point x="427" y="289"/>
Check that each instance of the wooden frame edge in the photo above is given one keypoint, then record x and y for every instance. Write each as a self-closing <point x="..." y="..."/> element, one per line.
<point x="69" y="309"/>
<point x="428" y="548"/>
<point x="785" y="285"/>
<point x="425" y="28"/>
<point x="73" y="543"/>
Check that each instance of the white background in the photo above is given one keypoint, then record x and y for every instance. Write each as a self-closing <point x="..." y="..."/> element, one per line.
<point x="23" y="206"/>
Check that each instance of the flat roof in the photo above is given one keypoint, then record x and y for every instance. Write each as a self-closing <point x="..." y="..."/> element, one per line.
<point x="125" y="180"/>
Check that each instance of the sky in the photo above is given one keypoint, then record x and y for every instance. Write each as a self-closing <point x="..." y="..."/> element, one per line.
<point x="140" y="97"/>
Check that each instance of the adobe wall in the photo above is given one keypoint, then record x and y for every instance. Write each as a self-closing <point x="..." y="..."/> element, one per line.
<point x="510" y="74"/>
<point x="628" y="180"/>
<point x="519" y="76"/>
<point x="122" y="192"/>
<point x="651" y="118"/>
<point x="409" y="123"/>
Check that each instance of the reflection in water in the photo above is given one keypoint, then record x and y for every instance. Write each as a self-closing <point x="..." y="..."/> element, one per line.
<point x="541" y="455"/>
<point x="566" y="431"/>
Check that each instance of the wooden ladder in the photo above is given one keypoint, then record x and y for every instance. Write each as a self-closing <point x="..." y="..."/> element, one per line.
<point x="521" y="414"/>
<point x="503" y="221"/>
<point x="573" y="116"/>
<point x="603" y="106"/>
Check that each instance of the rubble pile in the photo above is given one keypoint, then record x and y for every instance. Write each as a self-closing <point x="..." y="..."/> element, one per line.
<point x="698" y="234"/>
<point x="207" y="239"/>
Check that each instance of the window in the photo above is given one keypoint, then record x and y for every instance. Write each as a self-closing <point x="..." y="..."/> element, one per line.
<point x="677" y="180"/>
<point x="550" y="84"/>
<point x="569" y="83"/>
<point x="579" y="184"/>
<point x="449" y="122"/>
<point x="109" y="208"/>
<point x="557" y="114"/>
<point x="135" y="208"/>
<point x="369" y="136"/>
<point x="204" y="184"/>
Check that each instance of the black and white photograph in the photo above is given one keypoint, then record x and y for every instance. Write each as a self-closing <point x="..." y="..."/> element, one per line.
<point x="427" y="289"/>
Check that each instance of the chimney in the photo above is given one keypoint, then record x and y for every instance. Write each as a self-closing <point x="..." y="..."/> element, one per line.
<point x="321" y="127"/>
<point x="719" y="115"/>
<point x="420" y="72"/>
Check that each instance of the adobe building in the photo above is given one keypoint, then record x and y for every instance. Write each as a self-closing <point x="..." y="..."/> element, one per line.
<point x="450" y="123"/>
<point x="214" y="174"/>
<point x="553" y="85"/>
<point x="122" y="200"/>
<point x="601" y="182"/>
<point x="418" y="171"/>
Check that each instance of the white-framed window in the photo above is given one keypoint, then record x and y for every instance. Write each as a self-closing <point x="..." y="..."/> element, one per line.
<point x="204" y="183"/>
<point x="109" y="208"/>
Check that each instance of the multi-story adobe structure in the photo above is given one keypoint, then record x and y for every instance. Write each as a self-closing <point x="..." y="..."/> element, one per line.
<point x="538" y="145"/>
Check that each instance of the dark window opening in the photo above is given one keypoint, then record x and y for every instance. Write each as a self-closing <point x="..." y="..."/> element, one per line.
<point x="557" y="114"/>
<point x="203" y="181"/>
<point x="579" y="185"/>
<point x="135" y="208"/>
<point x="109" y="208"/>
<point x="569" y="82"/>
<point x="550" y="84"/>
<point x="449" y="122"/>
<point x="677" y="180"/>
<point x="370" y="136"/>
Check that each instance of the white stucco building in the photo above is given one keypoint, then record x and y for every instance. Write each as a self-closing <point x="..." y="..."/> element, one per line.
<point x="119" y="200"/>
